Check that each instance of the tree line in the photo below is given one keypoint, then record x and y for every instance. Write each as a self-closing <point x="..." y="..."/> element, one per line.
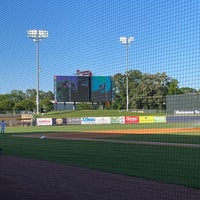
<point x="17" y="100"/>
<point x="146" y="91"/>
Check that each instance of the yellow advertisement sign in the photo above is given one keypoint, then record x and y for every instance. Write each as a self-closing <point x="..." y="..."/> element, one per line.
<point x="146" y="119"/>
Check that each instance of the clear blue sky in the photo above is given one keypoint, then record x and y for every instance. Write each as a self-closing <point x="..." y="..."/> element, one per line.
<point x="84" y="34"/>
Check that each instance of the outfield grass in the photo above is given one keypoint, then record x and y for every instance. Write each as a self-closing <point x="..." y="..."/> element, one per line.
<point x="167" y="164"/>
<point x="184" y="138"/>
<point x="178" y="165"/>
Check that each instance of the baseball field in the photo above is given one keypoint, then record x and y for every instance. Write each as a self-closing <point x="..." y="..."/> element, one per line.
<point x="133" y="161"/>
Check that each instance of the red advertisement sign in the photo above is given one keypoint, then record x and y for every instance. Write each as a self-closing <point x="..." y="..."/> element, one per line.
<point x="131" y="119"/>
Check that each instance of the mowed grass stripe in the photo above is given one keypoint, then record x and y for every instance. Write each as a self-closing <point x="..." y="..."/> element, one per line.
<point x="176" y="165"/>
<point x="189" y="138"/>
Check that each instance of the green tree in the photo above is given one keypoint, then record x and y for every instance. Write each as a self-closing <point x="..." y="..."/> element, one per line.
<point x="172" y="87"/>
<point x="31" y="94"/>
<point x="26" y="104"/>
<point x="146" y="91"/>
<point x="151" y="91"/>
<point x="46" y="105"/>
<point x="5" y="97"/>
<point x="188" y="90"/>
<point x="19" y="100"/>
<point x="17" y="95"/>
<point x="119" y="91"/>
<point x="134" y="80"/>
<point x="6" y="105"/>
<point x="47" y="95"/>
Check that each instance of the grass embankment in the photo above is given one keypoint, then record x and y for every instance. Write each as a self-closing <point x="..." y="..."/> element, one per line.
<point x="97" y="113"/>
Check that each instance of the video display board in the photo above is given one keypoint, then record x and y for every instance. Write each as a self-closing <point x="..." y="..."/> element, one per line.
<point x="83" y="88"/>
<point x="72" y="88"/>
<point x="101" y="88"/>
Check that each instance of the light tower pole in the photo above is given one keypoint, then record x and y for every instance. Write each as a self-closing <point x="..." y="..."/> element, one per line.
<point x="37" y="36"/>
<point x="126" y="41"/>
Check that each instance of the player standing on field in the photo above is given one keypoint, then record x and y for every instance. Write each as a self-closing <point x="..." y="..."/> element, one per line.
<point x="3" y="125"/>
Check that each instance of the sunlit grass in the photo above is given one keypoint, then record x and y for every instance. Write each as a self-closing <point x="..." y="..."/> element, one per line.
<point x="178" y="165"/>
<point x="97" y="113"/>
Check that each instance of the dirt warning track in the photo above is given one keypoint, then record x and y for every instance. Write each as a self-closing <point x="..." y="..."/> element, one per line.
<point x="151" y="131"/>
<point x="93" y="134"/>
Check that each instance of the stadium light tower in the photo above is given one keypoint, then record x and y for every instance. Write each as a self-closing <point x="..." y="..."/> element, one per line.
<point x="37" y="36"/>
<point x="126" y="41"/>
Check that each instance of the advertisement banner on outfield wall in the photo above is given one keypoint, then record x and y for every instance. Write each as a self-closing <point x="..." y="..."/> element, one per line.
<point x="87" y="120"/>
<point x="59" y="121"/>
<point x="131" y="119"/>
<point x="44" y="121"/>
<point x="146" y="119"/>
<point x="114" y="120"/>
<point x="159" y="119"/>
<point x="122" y="120"/>
<point x="73" y="121"/>
<point x="102" y="120"/>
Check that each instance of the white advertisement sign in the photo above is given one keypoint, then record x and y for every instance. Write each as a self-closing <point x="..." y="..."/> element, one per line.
<point x="87" y="120"/>
<point x="44" y="121"/>
<point x="122" y="120"/>
<point x="102" y="120"/>
<point x="186" y="112"/>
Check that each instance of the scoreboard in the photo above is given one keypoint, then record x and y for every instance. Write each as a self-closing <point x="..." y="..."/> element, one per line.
<point x="83" y="88"/>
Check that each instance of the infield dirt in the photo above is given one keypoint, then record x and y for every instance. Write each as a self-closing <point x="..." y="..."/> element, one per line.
<point x="113" y="133"/>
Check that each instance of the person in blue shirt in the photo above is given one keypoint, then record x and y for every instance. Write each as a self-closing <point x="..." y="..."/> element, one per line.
<point x="3" y="126"/>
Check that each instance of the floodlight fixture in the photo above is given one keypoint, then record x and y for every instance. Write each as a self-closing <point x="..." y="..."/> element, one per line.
<point x="37" y="36"/>
<point x="126" y="41"/>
